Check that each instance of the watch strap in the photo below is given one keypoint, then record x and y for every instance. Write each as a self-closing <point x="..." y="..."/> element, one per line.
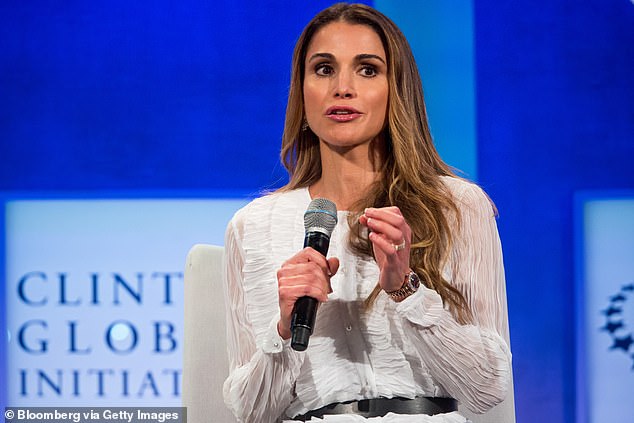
<point x="410" y="286"/>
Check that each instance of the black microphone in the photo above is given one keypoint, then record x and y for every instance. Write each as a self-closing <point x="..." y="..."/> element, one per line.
<point x="319" y="221"/>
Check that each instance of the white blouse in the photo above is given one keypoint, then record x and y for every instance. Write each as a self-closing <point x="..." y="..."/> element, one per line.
<point x="407" y="349"/>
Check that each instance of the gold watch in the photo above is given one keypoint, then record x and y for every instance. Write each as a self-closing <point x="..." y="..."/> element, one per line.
<point x="410" y="285"/>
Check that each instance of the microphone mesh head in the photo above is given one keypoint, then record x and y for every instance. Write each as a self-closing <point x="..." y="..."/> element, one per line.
<point x="321" y="216"/>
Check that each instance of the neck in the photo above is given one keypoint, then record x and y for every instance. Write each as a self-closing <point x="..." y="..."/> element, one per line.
<point x="347" y="174"/>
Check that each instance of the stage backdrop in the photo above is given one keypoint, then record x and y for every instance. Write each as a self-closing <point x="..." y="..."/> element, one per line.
<point x="605" y="307"/>
<point x="94" y="297"/>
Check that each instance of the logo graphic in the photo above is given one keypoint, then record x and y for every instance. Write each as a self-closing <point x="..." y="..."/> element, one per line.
<point x="615" y="321"/>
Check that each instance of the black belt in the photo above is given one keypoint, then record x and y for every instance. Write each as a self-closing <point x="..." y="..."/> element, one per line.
<point x="379" y="407"/>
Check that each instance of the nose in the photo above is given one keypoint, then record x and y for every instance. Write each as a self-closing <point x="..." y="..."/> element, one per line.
<point x="343" y="94"/>
<point x="344" y="86"/>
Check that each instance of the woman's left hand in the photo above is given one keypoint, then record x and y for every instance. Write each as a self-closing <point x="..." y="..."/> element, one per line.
<point x="391" y="237"/>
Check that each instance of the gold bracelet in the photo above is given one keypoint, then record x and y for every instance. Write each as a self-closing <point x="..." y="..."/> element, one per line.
<point x="410" y="285"/>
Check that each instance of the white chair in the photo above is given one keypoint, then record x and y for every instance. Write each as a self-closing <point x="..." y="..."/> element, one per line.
<point x="205" y="362"/>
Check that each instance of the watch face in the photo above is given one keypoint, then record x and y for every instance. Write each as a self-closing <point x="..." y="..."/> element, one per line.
<point x="414" y="281"/>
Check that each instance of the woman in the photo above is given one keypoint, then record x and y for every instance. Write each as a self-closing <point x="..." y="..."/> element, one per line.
<point x="356" y="133"/>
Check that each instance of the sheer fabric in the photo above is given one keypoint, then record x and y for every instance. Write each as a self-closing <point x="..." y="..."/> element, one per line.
<point x="408" y="349"/>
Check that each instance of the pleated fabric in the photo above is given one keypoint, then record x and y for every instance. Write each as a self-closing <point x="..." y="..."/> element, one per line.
<point x="408" y="349"/>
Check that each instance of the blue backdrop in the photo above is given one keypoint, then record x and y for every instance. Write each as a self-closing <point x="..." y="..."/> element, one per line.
<point x="186" y="96"/>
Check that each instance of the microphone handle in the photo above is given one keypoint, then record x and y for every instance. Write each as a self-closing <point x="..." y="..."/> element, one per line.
<point x="305" y="309"/>
<point x="318" y="241"/>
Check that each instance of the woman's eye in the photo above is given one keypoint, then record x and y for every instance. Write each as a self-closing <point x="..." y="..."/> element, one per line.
<point x="323" y="70"/>
<point x="368" y="71"/>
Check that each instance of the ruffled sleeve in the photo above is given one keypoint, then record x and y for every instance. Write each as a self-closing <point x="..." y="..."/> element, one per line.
<point x="263" y="368"/>
<point x="472" y="362"/>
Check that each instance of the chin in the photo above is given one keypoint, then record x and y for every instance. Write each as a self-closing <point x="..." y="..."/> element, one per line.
<point x="347" y="139"/>
<point x="345" y="143"/>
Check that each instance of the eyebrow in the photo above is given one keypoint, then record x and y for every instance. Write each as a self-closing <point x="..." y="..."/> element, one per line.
<point x="358" y="57"/>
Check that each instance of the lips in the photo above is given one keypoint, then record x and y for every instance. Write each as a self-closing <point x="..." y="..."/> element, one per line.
<point x="342" y="113"/>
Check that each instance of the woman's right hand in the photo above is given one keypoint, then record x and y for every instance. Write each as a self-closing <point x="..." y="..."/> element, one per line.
<point x="307" y="273"/>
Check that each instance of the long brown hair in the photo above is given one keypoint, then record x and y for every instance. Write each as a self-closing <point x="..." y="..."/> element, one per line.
<point x="410" y="174"/>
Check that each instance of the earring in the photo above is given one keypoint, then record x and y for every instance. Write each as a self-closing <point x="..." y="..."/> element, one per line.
<point x="304" y="125"/>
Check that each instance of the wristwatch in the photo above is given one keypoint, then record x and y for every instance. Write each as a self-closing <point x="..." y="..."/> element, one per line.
<point x="410" y="285"/>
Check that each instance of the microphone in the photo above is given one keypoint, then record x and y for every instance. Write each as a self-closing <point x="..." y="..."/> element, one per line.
<point x="320" y="219"/>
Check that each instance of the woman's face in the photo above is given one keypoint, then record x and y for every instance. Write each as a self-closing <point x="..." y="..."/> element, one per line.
<point x="345" y="84"/>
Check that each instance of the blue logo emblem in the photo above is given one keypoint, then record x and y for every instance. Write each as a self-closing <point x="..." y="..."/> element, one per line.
<point x="615" y="321"/>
